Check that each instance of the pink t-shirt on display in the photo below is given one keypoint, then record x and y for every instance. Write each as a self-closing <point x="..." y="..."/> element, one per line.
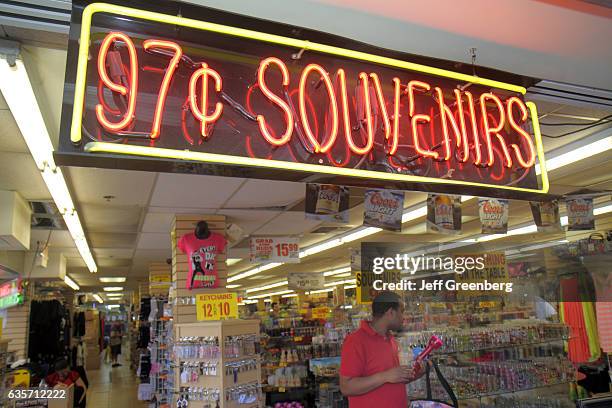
<point x="202" y="254"/>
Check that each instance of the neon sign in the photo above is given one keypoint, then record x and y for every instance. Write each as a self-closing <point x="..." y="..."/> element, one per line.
<point x="249" y="100"/>
<point x="11" y="294"/>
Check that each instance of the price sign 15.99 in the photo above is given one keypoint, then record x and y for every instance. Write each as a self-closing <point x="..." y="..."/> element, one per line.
<point x="217" y="306"/>
<point x="275" y="249"/>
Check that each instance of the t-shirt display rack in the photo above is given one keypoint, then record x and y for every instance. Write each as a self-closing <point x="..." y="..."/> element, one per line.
<point x="216" y="363"/>
<point x="184" y="299"/>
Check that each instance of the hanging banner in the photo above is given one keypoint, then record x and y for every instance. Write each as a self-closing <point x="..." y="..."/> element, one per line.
<point x="546" y="215"/>
<point x="326" y="202"/>
<point x="493" y="215"/>
<point x="444" y="214"/>
<point x="275" y="249"/>
<point x="580" y="215"/>
<point x="383" y="209"/>
<point x="305" y="281"/>
<point x="344" y="113"/>
<point x="216" y="306"/>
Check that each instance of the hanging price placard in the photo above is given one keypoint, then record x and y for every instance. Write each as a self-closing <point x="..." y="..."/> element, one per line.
<point x="275" y="249"/>
<point x="217" y="306"/>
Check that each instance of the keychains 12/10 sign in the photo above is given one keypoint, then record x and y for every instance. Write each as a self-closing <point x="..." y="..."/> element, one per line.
<point x="217" y="306"/>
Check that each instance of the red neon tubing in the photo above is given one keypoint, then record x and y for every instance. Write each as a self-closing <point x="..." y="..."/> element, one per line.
<point x="163" y="90"/>
<point x="132" y="92"/>
<point x="286" y="136"/>
<point x="304" y="116"/>
<point x="415" y="119"/>
<point x="531" y="149"/>
<point x="488" y="130"/>
<point x="200" y="113"/>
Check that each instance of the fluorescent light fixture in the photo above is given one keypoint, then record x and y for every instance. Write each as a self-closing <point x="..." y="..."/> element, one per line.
<point x="283" y="292"/>
<point x="268" y="301"/>
<point x="320" y="291"/>
<point x="19" y="95"/>
<point x="113" y="288"/>
<point x="350" y="287"/>
<point x="359" y="233"/>
<point x="98" y="298"/>
<point x="270" y="286"/>
<point x="603" y="209"/>
<point x="114" y="295"/>
<point x="577" y="154"/>
<point x="71" y="283"/>
<point x="113" y="306"/>
<point x="253" y="271"/>
<point x="232" y="286"/>
<point x="324" y="246"/>
<point x="337" y="271"/>
<point x="113" y="280"/>
<point x="248" y="301"/>
<point x="342" y="282"/>
<point x="232" y="261"/>
<point x="414" y="212"/>
<point x="290" y="295"/>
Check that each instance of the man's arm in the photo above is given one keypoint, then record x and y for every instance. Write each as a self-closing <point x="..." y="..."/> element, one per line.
<point x="352" y="386"/>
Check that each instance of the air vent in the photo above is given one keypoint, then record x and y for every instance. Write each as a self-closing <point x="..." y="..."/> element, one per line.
<point x="45" y="215"/>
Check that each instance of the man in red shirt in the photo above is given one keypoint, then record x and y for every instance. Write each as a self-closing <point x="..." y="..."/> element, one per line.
<point x="370" y="372"/>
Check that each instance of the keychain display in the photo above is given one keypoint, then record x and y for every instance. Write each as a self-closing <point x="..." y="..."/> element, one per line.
<point x="244" y="394"/>
<point x="233" y="368"/>
<point x="190" y="371"/>
<point x="240" y="346"/>
<point x="197" y="348"/>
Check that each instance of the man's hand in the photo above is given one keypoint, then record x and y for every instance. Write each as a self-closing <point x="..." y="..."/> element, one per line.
<point x="399" y="374"/>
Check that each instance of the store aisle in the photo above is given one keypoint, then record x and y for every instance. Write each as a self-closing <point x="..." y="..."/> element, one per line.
<point x="113" y="387"/>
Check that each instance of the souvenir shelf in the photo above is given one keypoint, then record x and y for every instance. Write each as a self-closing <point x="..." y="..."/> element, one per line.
<point x="218" y="364"/>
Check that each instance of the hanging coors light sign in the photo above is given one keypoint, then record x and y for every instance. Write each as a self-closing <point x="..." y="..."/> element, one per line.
<point x="150" y="90"/>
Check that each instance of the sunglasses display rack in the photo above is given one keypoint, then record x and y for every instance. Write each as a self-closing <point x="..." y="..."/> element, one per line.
<point x="218" y="364"/>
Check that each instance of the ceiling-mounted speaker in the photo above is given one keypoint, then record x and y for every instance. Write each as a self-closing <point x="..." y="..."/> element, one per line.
<point x="234" y="233"/>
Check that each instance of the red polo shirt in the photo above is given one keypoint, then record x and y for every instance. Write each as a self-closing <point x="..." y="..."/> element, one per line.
<point x="365" y="353"/>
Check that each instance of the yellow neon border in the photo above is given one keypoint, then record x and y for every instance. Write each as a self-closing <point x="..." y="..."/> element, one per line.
<point x="80" y="85"/>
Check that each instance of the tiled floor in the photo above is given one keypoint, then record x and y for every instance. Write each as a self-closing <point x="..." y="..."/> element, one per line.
<point x="113" y="387"/>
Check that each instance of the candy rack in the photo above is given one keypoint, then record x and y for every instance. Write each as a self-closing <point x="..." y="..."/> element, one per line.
<point x="218" y="364"/>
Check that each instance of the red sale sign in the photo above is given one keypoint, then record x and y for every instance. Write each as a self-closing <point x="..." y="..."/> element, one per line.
<point x="275" y="249"/>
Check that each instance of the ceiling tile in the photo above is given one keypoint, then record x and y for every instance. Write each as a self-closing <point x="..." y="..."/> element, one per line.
<point x="19" y="173"/>
<point x="129" y="188"/>
<point x="249" y="220"/>
<point x="158" y="222"/>
<point x="10" y="135"/>
<point x="110" y="217"/>
<point x="111" y="240"/>
<point x="266" y="193"/>
<point x="193" y="191"/>
<point x="288" y="223"/>
<point x="58" y="240"/>
<point x="149" y="240"/>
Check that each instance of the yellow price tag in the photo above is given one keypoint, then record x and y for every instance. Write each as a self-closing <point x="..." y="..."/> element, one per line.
<point x="160" y="278"/>
<point x="281" y="389"/>
<point x="216" y="306"/>
<point x="320" y="312"/>
<point x="297" y="338"/>
<point x="487" y="304"/>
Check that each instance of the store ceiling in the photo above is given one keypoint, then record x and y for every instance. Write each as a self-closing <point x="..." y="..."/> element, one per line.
<point x="130" y="229"/>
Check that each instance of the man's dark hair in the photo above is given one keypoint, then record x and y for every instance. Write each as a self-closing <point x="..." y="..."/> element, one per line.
<point x="384" y="301"/>
<point x="61" y="364"/>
